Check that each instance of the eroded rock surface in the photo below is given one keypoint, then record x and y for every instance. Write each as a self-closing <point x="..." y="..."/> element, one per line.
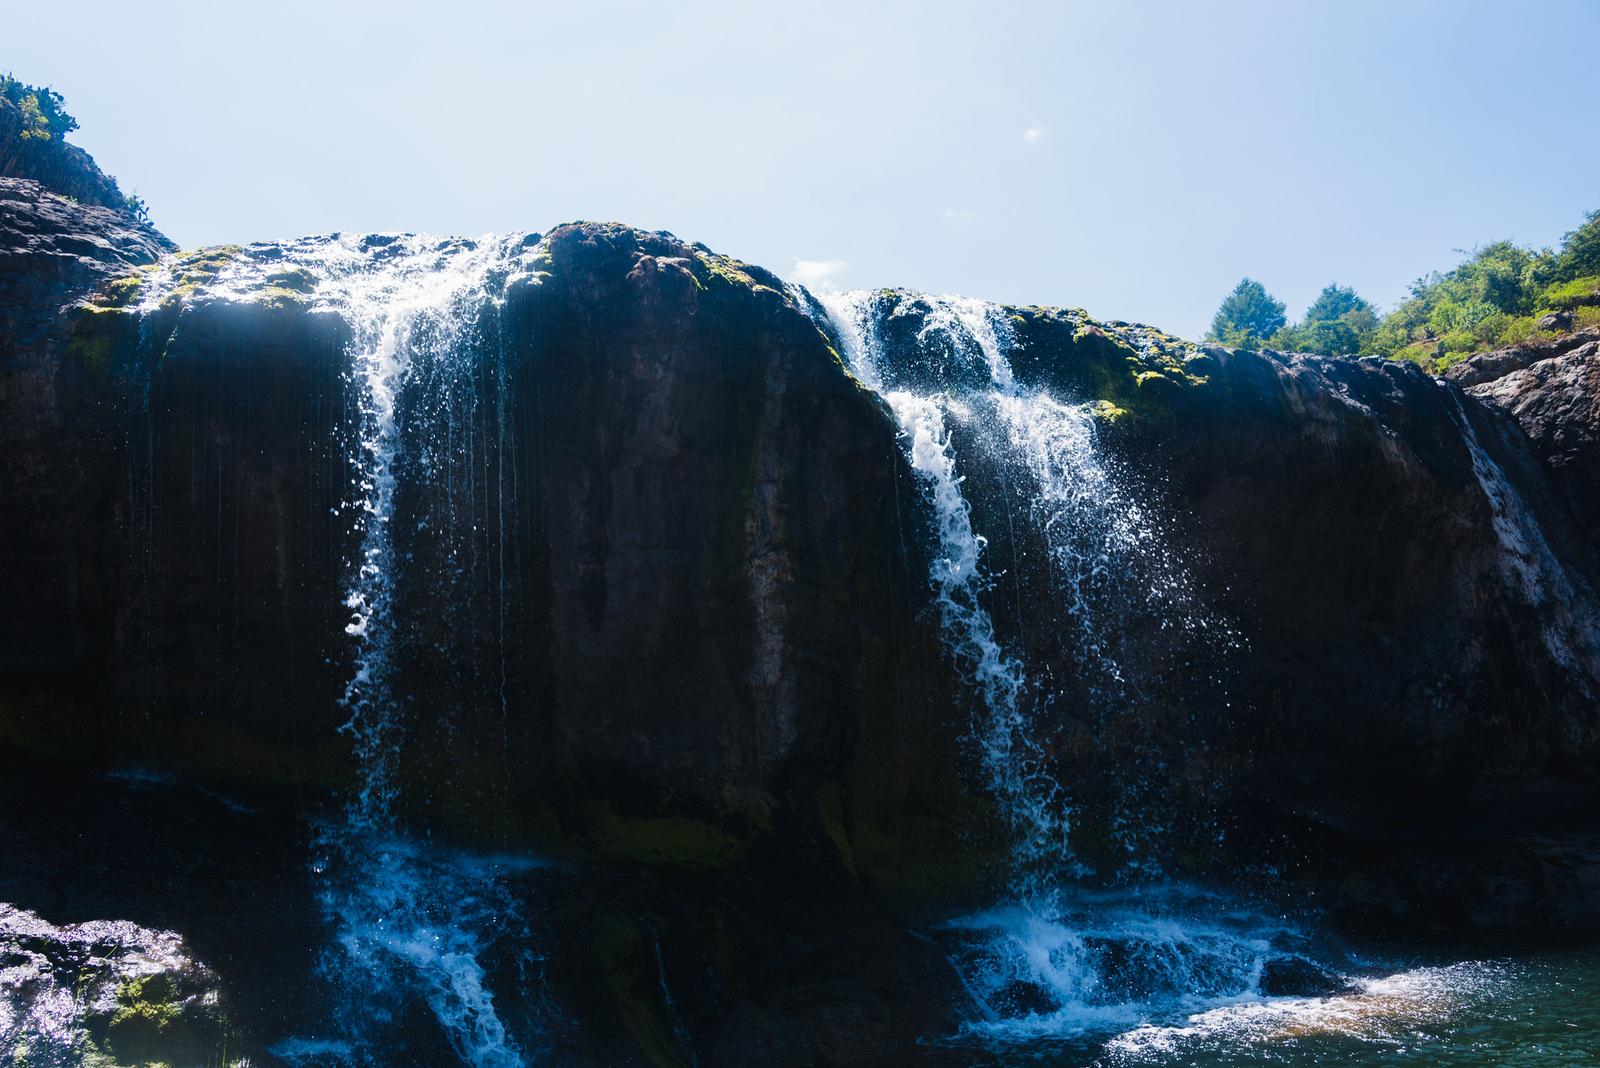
<point x="1552" y="390"/>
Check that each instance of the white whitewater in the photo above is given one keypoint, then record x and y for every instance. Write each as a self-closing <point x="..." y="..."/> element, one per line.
<point x="410" y="920"/>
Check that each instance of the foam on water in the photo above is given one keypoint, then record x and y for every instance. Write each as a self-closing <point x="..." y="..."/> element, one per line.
<point x="1099" y="962"/>
<point x="419" y="920"/>
<point x="1386" y="1011"/>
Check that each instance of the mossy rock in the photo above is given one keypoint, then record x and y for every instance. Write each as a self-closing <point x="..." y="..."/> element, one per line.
<point x="164" y="1019"/>
<point x="670" y="842"/>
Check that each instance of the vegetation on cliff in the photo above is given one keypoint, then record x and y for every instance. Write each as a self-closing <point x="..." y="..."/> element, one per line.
<point x="34" y="123"/>
<point x="1501" y="294"/>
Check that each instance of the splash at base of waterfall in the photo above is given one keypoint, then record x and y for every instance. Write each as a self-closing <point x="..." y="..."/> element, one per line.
<point x="1083" y="961"/>
<point x="413" y="922"/>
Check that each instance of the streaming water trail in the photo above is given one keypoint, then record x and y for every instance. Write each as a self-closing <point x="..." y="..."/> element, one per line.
<point x="410" y="920"/>
<point x="1526" y="559"/>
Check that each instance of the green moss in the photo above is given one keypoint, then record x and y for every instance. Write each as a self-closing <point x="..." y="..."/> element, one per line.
<point x="287" y="289"/>
<point x="120" y="292"/>
<point x="728" y="270"/>
<point x="830" y="806"/>
<point x="1108" y="412"/>
<point x="279" y="298"/>
<point x="91" y="350"/>
<point x="193" y="269"/>
<point x="297" y="279"/>
<point x="146" y="1003"/>
<point x="671" y="842"/>
<point x="632" y="981"/>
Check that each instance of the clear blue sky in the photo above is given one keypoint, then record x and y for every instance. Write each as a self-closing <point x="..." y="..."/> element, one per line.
<point x="1134" y="159"/>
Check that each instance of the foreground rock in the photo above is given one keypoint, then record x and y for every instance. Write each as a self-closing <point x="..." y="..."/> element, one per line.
<point x="106" y="992"/>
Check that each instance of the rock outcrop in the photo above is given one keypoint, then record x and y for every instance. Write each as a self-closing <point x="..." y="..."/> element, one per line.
<point x="1552" y="390"/>
<point x="52" y="253"/>
<point x="693" y="610"/>
<point x="61" y="168"/>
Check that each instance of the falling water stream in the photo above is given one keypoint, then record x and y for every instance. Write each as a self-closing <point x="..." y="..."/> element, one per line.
<point x="409" y="920"/>
<point x="1054" y="958"/>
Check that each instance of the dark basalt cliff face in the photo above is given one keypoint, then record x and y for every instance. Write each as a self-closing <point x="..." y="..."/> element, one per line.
<point x="672" y="610"/>
<point x="1423" y="665"/>
<point x="52" y="253"/>
<point x="689" y="557"/>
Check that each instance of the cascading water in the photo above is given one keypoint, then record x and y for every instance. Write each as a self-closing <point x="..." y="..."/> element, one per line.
<point x="1528" y="563"/>
<point x="1054" y="958"/>
<point x="410" y="921"/>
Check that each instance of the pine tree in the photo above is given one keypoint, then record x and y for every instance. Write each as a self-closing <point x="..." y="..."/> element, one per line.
<point x="1248" y="316"/>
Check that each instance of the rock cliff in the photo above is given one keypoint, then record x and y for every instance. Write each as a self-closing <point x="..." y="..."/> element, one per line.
<point x="663" y="573"/>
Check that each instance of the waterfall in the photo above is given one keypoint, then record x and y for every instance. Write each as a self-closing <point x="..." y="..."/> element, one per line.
<point x="1570" y="631"/>
<point x="409" y="920"/>
<point x="1030" y="798"/>
<point x="1054" y="957"/>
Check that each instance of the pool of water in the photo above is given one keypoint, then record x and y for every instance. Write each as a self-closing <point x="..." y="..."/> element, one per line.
<point x="1163" y="976"/>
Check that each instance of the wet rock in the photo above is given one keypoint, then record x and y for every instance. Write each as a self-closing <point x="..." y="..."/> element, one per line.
<point x="1300" y="978"/>
<point x="104" y="987"/>
<point x="1022" y="998"/>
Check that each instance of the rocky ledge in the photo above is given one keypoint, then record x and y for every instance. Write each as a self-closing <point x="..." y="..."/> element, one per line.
<point x="1552" y="390"/>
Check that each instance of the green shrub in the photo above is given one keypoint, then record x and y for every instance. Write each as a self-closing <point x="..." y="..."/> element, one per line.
<point x="1580" y="251"/>
<point x="44" y="114"/>
<point x="1519" y="330"/>
<point x="1580" y="292"/>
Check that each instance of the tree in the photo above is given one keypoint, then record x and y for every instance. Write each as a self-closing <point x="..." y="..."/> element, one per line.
<point x="1334" y="303"/>
<point x="1248" y="316"/>
<point x="1580" y="250"/>
<point x="1338" y="323"/>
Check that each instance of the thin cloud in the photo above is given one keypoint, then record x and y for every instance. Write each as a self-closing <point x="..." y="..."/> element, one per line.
<point x="817" y="274"/>
<point x="959" y="214"/>
<point x="1033" y="134"/>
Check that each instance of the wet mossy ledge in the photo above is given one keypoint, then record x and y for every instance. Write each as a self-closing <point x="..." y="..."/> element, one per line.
<point x="1119" y="369"/>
